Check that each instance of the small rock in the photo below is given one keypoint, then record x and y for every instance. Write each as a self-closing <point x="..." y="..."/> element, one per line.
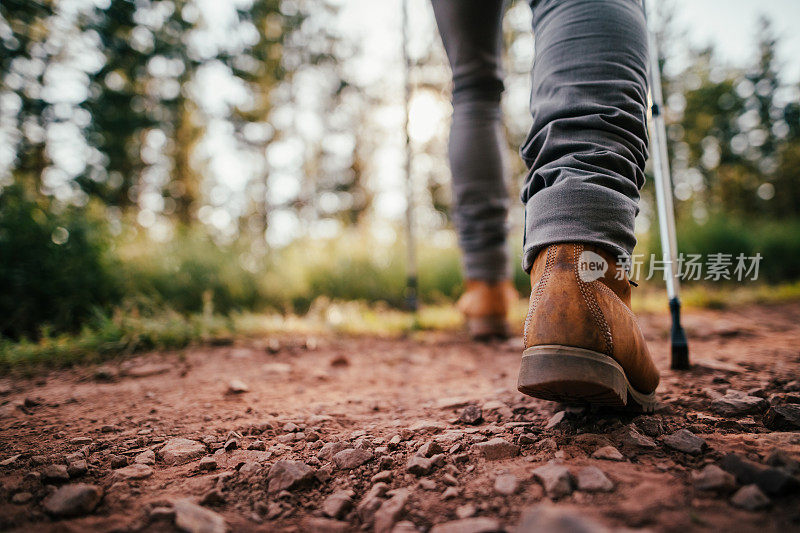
<point x="118" y="461"/>
<point x="179" y="451"/>
<point x="405" y="526"/>
<point x="751" y="498"/>
<point x="783" y="417"/>
<point x="592" y="479"/>
<point x="552" y="519"/>
<point x="80" y="441"/>
<point x="166" y="514"/>
<point x="390" y="510"/>
<point x="382" y="476"/>
<point x="21" y="498"/>
<point x="147" y="370"/>
<point x="506" y="484"/>
<point x="419" y="466"/>
<point x="55" y="473"/>
<point x="471" y="414"/>
<point x="77" y="468"/>
<point x="685" y="441"/>
<point x="631" y="437"/>
<point x="338" y="504"/>
<point x="207" y="464"/>
<point x="736" y="403"/>
<point x="497" y="448"/>
<point x="325" y="525"/>
<point x="134" y="471"/>
<point x="776" y="482"/>
<point x="427" y="484"/>
<point x="555" y="479"/>
<point x="147" y="457"/>
<point x="285" y="475"/>
<point x="608" y="453"/>
<point x="237" y="386"/>
<point x="351" y="458"/>
<point x="558" y="420"/>
<point x="73" y="500"/>
<point x="744" y="470"/>
<point x="9" y="461"/>
<point x="466" y="511"/>
<point x="330" y="449"/>
<point x="430" y="448"/>
<point x="193" y="518"/>
<point x="257" y="445"/>
<point x="714" y="478"/>
<point x="213" y="498"/>
<point x="371" y="502"/>
<point x="649" y="425"/>
<point x="449" y="493"/>
<point x="480" y="524"/>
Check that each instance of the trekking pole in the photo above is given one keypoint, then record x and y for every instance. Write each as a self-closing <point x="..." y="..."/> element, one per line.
<point x="666" y="212"/>
<point x="411" y="242"/>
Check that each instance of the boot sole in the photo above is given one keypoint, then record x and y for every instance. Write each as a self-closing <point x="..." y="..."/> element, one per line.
<point x="575" y="375"/>
<point x="487" y="328"/>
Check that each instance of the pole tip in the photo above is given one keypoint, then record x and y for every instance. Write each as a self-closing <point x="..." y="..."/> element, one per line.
<point x="680" y="345"/>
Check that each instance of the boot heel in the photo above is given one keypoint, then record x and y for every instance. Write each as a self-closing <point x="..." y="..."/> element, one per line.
<point x="575" y="375"/>
<point x="487" y="328"/>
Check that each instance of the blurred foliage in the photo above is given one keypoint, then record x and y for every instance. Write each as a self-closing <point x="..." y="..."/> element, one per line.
<point x="55" y="265"/>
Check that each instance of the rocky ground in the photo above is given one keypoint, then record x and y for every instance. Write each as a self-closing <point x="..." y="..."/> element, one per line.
<point x="424" y="434"/>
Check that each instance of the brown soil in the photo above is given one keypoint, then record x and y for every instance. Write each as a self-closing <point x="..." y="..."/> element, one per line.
<point x="364" y="391"/>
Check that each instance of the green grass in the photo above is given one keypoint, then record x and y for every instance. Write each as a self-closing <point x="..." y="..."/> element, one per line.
<point x="127" y="332"/>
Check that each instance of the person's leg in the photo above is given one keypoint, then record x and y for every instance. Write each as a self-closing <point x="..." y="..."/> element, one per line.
<point x="586" y="153"/>
<point x="471" y="31"/>
<point x="587" y="145"/>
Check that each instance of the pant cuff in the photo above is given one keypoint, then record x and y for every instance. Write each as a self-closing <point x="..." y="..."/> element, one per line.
<point x="575" y="210"/>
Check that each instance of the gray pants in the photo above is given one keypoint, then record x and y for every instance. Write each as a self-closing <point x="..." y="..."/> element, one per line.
<point x="587" y="145"/>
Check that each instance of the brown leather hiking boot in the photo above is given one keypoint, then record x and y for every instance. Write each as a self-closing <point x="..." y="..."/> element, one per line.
<point x="485" y="307"/>
<point x="582" y="342"/>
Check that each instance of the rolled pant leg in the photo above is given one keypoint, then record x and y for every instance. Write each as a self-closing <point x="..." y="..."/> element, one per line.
<point x="587" y="146"/>
<point x="471" y="31"/>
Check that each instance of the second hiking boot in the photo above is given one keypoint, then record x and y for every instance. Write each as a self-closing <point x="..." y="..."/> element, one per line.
<point x="485" y="307"/>
<point x="582" y="342"/>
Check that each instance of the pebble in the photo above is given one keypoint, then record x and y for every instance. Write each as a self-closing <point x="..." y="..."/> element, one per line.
<point x="147" y="370"/>
<point x="558" y="421"/>
<point x="430" y="448"/>
<point x="465" y="511"/>
<point x="21" y="498"/>
<point x="497" y="448"/>
<point x="737" y="403"/>
<point x="338" y="504"/>
<point x="371" y="502"/>
<point x="179" y="451"/>
<point x="330" y="449"/>
<point x="745" y="471"/>
<point x="80" y="441"/>
<point x="207" y="464"/>
<point x="608" y="453"/>
<point x="783" y="417"/>
<point x="384" y="475"/>
<point x="481" y="524"/>
<point x="237" y="386"/>
<point x="685" y="441"/>
<point x="450" y="492"/>
<point x="212" y="498"/>
<point x="751" y="498"/>
<point x="506" y="484"/>
<point x="325" y="525"/>
<point x="390" y="510"/>
<point x="134" y="471"/>
<point x="9" y="461"/>
<point x="147" y="457"/>
<point x="713" y="478"/>
<point x="55" y="473"/>
<point x="471" y="415"/>
<point x="776" y="482"/>
<point x="592" y="479"/>
<point x="162" y="513"/>
<point x="630" y="436"/>
<point x="285" y="475"/>
<point x="555" y="479"/>
<point x="193" y="518"/>
<point x="419" y="466"/>
<point x="257" y="445"/>
<point x="77" y="468"/>
<point x="351" y="458"/>
<point x="404" y="526"/>
<point x="73" y="500"/>
<point x="427" y="484"/>
<point x="118" y="461"/>
<point x="552" y="519"/>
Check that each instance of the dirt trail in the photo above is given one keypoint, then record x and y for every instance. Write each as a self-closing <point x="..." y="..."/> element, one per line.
<point x="328" y="437"/>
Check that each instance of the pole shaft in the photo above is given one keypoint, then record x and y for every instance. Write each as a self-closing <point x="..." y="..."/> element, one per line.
<point x="411" y="241"/>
